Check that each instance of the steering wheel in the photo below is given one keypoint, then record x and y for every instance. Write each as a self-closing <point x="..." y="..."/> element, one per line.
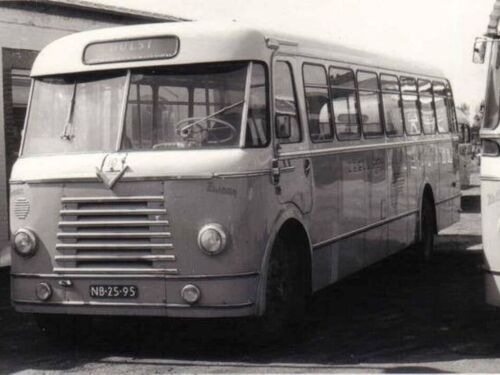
<point x="194" y="127"/>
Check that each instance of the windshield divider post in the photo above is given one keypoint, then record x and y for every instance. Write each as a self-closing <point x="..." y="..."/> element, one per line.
<point x="26" y="118"/>
<point x="244" y="115"/>
<point x="123" y="113"/>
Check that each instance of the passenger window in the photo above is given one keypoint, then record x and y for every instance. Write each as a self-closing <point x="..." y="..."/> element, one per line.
<point x="426" y="108"/>
<point x="440" y="102"/>
<point x="343" y="96"/>
<point x="285" y="103"/>
<point x="369" y="103"/>
<point x="318" y="106"/>
<point x="391" y="97"/>
<point x="257" y="134"/>
<point x="410" y="105"/>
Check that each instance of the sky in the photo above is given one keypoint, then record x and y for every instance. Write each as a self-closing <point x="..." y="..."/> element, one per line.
<point x="437" y="32"/>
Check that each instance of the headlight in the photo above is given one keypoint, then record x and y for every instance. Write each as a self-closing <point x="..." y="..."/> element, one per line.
<point x="25" y="242"/>
<point x="212" y="239"/>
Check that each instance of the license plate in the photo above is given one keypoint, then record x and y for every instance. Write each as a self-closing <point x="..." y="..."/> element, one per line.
<point x="114" y="291"/>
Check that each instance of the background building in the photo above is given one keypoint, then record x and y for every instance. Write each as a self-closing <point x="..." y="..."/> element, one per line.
<point x="25" y="28"/>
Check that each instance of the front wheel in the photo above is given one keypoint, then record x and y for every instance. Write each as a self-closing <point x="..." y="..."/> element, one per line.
<point x="286" y="290"/>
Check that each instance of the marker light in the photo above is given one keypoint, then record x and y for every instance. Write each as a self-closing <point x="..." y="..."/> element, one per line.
<point x="43" y="291"/>
<point x="25" y="242"/>
<point x="190" y="293"/>
<point x="212" y="239"/>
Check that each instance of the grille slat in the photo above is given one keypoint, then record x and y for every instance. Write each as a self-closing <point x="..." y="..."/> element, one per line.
<point x="107" y="235"/>
<point x="114" y="212"/>
<point x="112" y="223"/>
<point x="116" y="258"/>
<point x="114" y="235"/>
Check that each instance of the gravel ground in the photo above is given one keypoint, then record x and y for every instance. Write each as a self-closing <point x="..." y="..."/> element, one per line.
<point x="393" y="317"/>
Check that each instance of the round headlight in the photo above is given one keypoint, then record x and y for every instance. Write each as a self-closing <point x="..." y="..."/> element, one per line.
<point x="190" y="293"/>
<point x="25" y="242"/>
<point x="212" y="239"/>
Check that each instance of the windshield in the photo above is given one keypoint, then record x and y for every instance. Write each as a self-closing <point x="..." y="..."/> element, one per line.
<point x="184" y="107"/>
<point x="74" y="114"/>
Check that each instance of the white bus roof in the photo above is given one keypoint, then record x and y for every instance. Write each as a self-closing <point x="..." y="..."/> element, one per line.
<point x="209" y="42"/>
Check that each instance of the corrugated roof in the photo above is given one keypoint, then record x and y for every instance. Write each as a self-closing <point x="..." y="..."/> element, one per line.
<point x="115" y="10"/>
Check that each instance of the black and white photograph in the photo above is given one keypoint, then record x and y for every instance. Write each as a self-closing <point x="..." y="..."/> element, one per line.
<point x="249" y="186"/>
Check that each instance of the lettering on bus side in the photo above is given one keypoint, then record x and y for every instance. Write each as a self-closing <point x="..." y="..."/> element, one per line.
<point x="224" y="190"/>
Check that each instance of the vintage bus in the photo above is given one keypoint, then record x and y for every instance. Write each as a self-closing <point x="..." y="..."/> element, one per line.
<point x="489" y="47"/>
<point x="201" y="170"/>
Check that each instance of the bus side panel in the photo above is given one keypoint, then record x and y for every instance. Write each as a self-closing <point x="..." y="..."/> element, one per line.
<point x="324" y="218"/>
<point x="376" y="192"/>
<point x="353" y="209"/>
<point x="415" y="178"/>
<point x="398" y="198"/>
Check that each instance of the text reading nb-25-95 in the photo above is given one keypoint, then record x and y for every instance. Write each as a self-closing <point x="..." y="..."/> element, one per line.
<point x="114" y="291"/>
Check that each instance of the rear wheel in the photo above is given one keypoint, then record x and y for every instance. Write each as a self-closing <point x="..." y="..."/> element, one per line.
<point x="427" y="229"/>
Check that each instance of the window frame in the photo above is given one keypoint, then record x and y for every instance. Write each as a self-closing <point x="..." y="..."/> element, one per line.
<point x="400" y="105"/>
<point x="356" y="104"/>
<point x="329" y="104"/>
<point x="446" y="98"/>
<point x="417" y="104"/>
<point x="379" y="103"/>
<point x="432" y="105"/>
<point x="297" y="110"/>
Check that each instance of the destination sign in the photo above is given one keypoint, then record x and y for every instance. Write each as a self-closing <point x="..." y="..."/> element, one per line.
<point x="131" y="50"/>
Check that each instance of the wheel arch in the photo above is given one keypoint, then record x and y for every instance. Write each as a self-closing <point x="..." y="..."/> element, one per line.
<point x="290" y="222"/>
<point x="426" y="192"/>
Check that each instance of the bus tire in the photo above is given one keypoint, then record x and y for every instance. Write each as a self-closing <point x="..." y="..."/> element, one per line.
<point x="285" y="290"/>
<point x="427" y="229"/>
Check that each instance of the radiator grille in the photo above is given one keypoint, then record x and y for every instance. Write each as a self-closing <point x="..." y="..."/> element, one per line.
<point x="114" y="235"/>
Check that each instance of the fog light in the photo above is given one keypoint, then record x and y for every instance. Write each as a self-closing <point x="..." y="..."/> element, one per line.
<point x="25" y="242"/>
<point x="43" y="291"/>
<point x="190" y="293"/>
<point x="212" y="239"/>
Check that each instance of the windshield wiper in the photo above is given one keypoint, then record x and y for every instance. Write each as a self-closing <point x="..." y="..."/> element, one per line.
<point x="222" y="110"/>
<point x="66" y="134"/>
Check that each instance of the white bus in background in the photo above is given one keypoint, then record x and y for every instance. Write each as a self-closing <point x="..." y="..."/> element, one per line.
<point x="489" y="47"/>
<point x="207" y="171"/>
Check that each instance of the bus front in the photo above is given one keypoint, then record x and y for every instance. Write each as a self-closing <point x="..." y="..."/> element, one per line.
<point x="141" y="165"/>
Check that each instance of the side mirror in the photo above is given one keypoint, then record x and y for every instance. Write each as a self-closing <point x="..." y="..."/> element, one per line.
<point x="283" y="126"/>
<point x="479" y="52"/>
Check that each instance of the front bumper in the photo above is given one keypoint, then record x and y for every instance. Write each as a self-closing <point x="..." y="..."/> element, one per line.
<point x="231" y="295"/>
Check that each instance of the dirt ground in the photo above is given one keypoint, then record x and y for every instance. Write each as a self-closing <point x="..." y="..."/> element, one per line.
<point x="392" y="317"/>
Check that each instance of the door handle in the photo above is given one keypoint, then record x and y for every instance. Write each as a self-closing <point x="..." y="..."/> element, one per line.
<point x="307" y="167"/>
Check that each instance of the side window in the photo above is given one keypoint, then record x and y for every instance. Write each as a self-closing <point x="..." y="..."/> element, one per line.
<point x="440" y="102"/>
<point x="343" y="96"/>
<point x="257" y="134"/>
<point x="391" y="97"/>
<point x="369" y="103"/>
<point x="318" y="102"/>
<point x="285" y="104"/>
<point x="410" y="105"/>
<point x="426" y="108"/>
<point x="450" y="104"/>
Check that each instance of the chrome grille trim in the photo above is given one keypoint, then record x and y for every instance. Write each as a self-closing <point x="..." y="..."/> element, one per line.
<point x="113" y="246"/>
<point x="112" y="212"/>
<point x="117" y="223"/>
<point x="96" y="270"/>
<point x="115" y="235"/>
<point x="117" y="258"/>
<point x="111" y="199"/>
